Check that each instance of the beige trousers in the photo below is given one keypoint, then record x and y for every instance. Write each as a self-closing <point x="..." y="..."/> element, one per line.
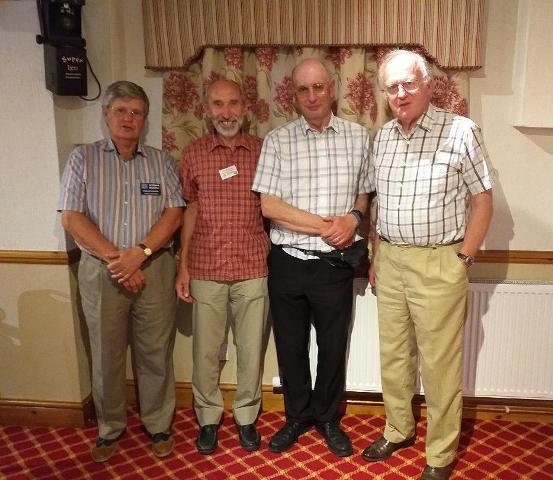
<point x="422" y="294"/>
<point x="246" y="299"/>
<point x="114" y="316"/>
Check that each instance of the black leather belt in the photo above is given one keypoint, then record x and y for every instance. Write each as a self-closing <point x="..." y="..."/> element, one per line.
<point x="314" y="253"/>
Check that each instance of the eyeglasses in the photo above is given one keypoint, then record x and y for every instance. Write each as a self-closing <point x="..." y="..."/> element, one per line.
<point x="316" y="88"/>
<point x="409" y="86"/>
<point x="121" y="112"/>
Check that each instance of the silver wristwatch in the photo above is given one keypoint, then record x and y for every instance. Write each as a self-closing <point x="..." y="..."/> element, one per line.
<point x="468" y="260"/>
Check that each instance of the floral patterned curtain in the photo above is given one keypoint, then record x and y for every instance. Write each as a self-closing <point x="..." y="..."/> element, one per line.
<point x="264" y="74"/>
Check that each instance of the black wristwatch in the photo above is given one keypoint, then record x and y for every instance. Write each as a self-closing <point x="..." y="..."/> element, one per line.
<point x="468" y="260"/>
<point x="357" y="214"/>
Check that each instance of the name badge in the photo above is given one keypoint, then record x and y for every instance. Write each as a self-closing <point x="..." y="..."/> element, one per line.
<point x="150" y="189"/>
<point x="228" y="172"/>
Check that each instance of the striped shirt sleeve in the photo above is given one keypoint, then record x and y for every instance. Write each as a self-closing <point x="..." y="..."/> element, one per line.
<point x="174" y="192"/>
<point x="73" y="185"/>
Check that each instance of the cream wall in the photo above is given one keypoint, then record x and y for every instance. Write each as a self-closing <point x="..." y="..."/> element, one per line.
<point x="42" y="350"/>
<point x="39" y="332"/>
<point x="523" y="157"/>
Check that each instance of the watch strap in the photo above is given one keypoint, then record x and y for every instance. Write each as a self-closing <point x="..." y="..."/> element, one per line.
<point x="147" y="250"/>
<point x="358" y="214"/>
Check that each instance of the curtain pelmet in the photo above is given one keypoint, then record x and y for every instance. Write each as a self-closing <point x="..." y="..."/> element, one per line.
<point x="177" y="31"/>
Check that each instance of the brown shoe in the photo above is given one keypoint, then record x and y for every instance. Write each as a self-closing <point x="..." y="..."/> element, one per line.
<point x="103" y="449"/>
<point x="437" y="473"/>
<point x="382" y="449"/>
<point x="162" y="444"/>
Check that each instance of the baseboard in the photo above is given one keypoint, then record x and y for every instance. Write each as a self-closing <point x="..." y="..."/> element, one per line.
<point x="371" y="404"/>
<point x="480" y="408"/>
<point x="74" y="414"/>
<point x="47" y="414"/>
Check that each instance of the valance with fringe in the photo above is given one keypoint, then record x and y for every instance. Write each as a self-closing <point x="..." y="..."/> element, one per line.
<point x="177" y="31"/>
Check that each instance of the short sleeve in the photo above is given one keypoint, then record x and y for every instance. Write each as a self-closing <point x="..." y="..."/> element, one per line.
<point x="189" y="187"/>
<point x="174" y="194"/>
<point x="73" y="182"/>
<point x="267" y="175"/>
<point x="476" y="168"/>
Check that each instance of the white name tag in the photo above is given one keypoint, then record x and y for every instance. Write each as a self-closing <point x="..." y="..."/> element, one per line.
<point x="228" y="172"/>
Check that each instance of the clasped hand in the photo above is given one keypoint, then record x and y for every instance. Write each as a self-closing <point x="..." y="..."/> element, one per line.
<point x="124" y="265"/>
<point x="339" y="231"/>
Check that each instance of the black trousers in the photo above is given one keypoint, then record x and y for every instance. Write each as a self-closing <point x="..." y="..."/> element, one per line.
<point x="301" y="290"/>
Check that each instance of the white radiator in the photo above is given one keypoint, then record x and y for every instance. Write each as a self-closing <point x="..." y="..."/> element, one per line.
<point x="508" y="341"/>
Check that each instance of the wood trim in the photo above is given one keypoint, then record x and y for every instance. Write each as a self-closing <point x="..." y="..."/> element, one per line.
<point x="73" y="414"/>
<point x="360" y="403"/>
<point x="479" y="408"/>
<point x="515" y="256"/>
<point x="72" y="256"/>
<point x="36" y="413"/>
<point x="40" y="257"/>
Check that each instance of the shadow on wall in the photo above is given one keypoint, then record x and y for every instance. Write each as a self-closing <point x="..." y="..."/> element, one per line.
<point x="184" y="319"/>
<point x="500" y="235"/>
<point x="38" y="353"/>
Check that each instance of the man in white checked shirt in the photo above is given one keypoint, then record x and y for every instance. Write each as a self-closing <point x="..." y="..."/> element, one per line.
<point x="121" y="202"/>
<point x="432" y="177"/>
<point x="313" y="178"/>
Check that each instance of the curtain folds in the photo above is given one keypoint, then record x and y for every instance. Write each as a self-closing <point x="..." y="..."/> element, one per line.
<point x="264" y="74"/>
<point x="177" y="31"/>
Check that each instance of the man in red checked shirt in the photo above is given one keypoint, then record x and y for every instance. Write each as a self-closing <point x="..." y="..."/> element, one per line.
<point x="223" y="263"/>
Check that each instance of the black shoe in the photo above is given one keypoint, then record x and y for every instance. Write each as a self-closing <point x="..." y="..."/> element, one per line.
<point x="287" y="436"/>
<point x="437" y="473"/>
<point x="249" y="437"/>
<point x="336" y="439"/>
<point x="206" y="442"/>
<point x="382" y="449"/>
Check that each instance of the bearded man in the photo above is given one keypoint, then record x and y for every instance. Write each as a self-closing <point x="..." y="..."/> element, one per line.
<point x="223" y="263"/>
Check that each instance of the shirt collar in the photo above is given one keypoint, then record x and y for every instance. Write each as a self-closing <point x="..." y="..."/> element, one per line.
<point x="110" y="147"/>
<point x="425" y="121"/>
<point x="215" y="141"/>
<point x="332" y="125"/>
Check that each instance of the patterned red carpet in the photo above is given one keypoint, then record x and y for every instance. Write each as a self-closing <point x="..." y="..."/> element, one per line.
<point x="489" y="450"/>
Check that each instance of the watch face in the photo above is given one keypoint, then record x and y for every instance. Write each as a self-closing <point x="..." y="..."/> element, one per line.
<point x="468" y="260"/>
<point x="147" y="251"/>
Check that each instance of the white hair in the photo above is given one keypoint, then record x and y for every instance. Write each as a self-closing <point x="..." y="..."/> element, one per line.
<point x="414" y="59"/>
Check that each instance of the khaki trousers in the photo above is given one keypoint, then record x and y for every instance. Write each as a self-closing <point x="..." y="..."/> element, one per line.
<point x="114" y="315"/>
<point x="247" y="300"/>
<point x="422" y="294"/>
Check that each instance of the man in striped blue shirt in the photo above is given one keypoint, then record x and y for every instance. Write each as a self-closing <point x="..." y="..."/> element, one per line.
<point x="432" y="177"/>
<point x="121" y="202"/>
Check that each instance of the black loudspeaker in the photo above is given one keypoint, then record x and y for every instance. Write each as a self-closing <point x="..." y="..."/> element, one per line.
<point x="64" y="48"/>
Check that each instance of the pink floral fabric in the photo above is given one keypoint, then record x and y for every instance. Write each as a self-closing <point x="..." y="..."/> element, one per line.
<point x="265" y="77"/>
